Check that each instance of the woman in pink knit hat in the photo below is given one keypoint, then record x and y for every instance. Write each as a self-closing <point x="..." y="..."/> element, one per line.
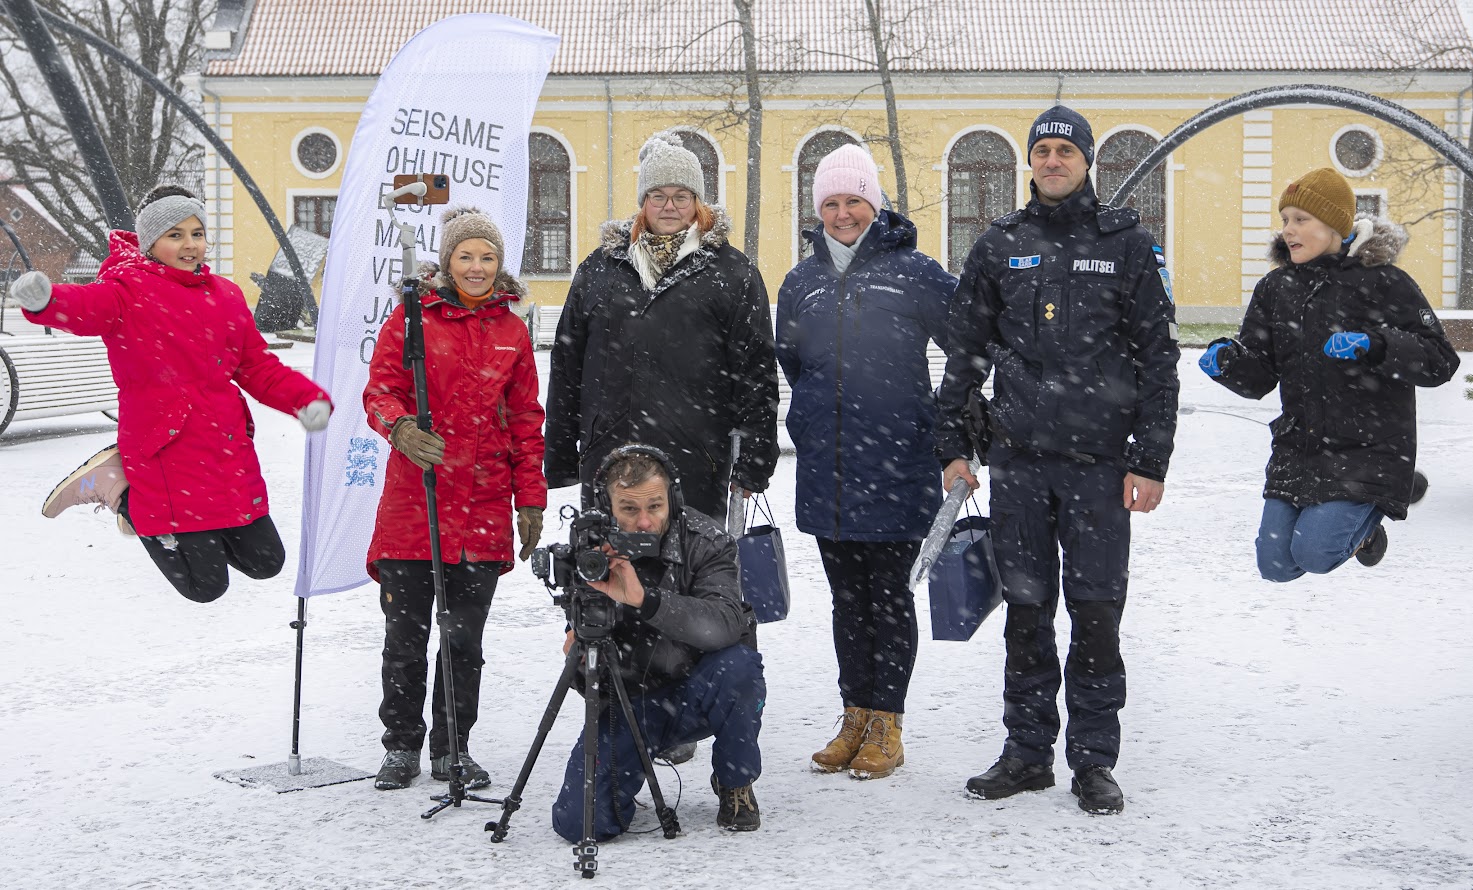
<point x="853" y="323"/>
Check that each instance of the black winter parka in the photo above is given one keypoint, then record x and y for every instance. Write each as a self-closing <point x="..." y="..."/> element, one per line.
<point x="1070" y="305"/>
<point x="1348" y="431"/>
<point x="678" y="367"/>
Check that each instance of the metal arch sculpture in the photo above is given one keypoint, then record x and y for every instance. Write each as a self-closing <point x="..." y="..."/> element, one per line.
<point x="1300" y="94"/>
<point x="195" y="118"/>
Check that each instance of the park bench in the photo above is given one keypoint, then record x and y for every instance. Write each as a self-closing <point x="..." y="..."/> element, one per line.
<point x="49" y="375"/>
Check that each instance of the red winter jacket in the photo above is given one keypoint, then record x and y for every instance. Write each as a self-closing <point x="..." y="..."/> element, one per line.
<point x="180" y="343"/>
<point x="482" y="386"/>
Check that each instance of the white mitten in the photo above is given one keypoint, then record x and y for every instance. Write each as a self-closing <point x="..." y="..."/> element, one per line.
<point x="32" y="291"/>
<point x="314" y="416"/>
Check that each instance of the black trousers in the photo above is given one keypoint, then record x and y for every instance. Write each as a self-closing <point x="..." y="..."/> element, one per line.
<point x="1042" y="506"/>
<point x="407" y="596"/>
<point x="875" y="633"/>
<point x="198" y="565"/>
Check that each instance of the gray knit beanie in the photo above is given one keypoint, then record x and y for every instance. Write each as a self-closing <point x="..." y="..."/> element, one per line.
<point x="460" y="223"/>
<point x="665" y="161"/>
<point x="159" y="216"/>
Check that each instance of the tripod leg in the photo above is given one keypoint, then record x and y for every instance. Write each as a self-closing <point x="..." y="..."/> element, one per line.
<point x="587" y="850"/>
<point x="513" y="800"/>
<point x="668" y="822"/>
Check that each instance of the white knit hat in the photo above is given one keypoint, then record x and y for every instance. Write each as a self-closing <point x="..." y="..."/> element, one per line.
<point x="847" y="170"/>
<point x="665" y="161"/>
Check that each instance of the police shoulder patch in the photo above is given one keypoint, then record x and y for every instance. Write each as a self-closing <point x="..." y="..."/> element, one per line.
<point x="1166" y="284"/>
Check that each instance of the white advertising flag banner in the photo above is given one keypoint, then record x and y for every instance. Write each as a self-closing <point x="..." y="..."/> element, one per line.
<point x="457" y="100"/>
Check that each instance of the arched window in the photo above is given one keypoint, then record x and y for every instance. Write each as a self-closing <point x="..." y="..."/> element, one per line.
<point x="814" y="150"/>
<point x="705" y="152"/>
<point x="548" y="250"/>
<point x="1119" y="155"/>
<point x="982" y="173"/>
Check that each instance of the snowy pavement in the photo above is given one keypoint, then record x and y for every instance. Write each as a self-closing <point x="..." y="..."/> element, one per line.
<point x="1313" y="735"/>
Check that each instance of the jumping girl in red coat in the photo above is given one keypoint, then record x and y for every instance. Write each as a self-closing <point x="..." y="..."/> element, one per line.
<point x="486" y="449"/>
<point x="182" y="345"/>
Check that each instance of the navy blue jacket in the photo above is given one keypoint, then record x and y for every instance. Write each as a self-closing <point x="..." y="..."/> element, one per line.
<point x="862" y="415"/>
<point x="1070" y="304"/>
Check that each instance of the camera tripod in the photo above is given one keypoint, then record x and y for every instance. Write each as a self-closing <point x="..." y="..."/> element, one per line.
<point x="593" y="644"/>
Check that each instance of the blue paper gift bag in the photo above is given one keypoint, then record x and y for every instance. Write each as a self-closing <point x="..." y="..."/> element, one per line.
<point x="964" y="583"/>
<point x="764" y="567"/>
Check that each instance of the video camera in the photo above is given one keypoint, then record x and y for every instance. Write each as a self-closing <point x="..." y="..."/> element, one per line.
<point x="573" y="565"/>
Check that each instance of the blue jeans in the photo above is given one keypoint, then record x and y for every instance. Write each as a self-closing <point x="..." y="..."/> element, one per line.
<point x="723" y="697"/>
<point x="1317" y="539"/>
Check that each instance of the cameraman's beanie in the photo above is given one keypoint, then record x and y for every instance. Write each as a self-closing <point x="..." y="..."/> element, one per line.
<point x="847" y="170"/>
<point x="1062" y="122"/>
<point x="1325" y="194"/>
<point x="665" y="161"/>
<point x="460" y="223"/>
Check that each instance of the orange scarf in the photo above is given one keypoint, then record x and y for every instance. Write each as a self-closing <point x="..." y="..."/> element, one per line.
<point x="474" y="303"/>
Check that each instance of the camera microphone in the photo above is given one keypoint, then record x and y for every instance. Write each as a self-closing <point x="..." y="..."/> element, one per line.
<point x="417" y="189"/>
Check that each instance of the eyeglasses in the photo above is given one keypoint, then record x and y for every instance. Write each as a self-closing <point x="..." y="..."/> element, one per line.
<point x="681" y="200"/>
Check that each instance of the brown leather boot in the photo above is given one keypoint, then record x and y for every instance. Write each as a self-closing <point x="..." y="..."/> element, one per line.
<point x="837" y="754"/>
<point x="882" y="751"/>
<point x="99" y="480"/>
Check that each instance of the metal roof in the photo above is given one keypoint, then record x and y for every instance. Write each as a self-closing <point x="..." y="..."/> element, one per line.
<point x="358" y="37"/>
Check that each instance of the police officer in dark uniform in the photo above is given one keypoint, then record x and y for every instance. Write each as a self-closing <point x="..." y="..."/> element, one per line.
<point x="1069" y="301"/>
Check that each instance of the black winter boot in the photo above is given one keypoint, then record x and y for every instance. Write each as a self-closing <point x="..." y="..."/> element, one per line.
<point x="1373" y="548"/>
<point x="1419" y="487"/>
<point x="1009" y="776"/>
<point x="397" y="771"/>
<point x="738" y="811"/>
<point x="474" y="775"/>
<point x="1096" y="789"/>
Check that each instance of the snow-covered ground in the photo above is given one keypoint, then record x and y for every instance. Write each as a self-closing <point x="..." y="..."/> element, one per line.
<point x="1314" y="735"/>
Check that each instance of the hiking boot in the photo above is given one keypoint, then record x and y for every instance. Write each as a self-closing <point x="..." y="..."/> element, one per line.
<point x="738" y="811"/>
<point x="99" y="480"/>
<point x="838" y="753"/>
<point x="1372" y="548"/>
<point x="1419" y="487"/>
<point x="882" y="751"/>
<point x="677" y="754"/>
<point x="1096" y="789"/>
<point x="398" y="770"/>
<point x="475" y="774"/>
<point x="1009" y="776"/>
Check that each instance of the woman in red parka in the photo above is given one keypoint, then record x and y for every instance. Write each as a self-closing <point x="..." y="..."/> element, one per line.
<point x="182" y="345"/>
<point x="486" y="450"/>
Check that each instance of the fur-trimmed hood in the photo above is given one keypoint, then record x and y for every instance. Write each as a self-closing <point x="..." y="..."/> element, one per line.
<point x="430" y="277"/>
<point x="1378" y="242"/>
<point x="614" y="234"/>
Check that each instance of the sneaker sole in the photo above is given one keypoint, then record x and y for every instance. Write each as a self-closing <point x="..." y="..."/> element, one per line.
<point x="1038" y="784"/>
<point x="470" y="783"/>
<point x="87" y="466"/>
<point x="1094" y="811"/>
<point x="390" y="786"/>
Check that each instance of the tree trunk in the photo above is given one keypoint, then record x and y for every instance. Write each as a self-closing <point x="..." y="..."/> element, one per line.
<point x="892" y="118"/>
<point x="751" y="227"/>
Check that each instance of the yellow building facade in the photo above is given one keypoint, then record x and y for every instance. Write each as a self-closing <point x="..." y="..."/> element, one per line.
<point x="1212" y="205"/>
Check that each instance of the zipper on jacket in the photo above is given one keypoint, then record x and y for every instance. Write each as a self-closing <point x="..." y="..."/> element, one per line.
<point x="839" y="402"/>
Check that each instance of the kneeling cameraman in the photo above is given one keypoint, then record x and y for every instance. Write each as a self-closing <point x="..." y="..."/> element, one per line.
<point x="687" y="653"/>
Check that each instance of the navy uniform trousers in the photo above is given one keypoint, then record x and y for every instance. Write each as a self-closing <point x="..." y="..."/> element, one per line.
<point x="1043" y="504"/>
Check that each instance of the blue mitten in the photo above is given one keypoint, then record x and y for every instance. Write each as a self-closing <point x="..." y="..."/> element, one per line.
<point x="1348" y="345"/>
<point x="1210" y="361"/>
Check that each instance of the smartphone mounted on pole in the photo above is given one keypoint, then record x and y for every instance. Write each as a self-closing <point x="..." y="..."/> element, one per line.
<point x="436" y="189"/>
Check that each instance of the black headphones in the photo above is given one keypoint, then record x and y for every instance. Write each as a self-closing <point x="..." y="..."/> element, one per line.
<point x="601" y="497"/>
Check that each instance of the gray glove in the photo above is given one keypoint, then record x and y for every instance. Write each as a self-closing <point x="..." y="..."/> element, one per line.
<point x="424" y="449"/>
<point x="32" y="291"/>
<point x="314" y="415"/>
